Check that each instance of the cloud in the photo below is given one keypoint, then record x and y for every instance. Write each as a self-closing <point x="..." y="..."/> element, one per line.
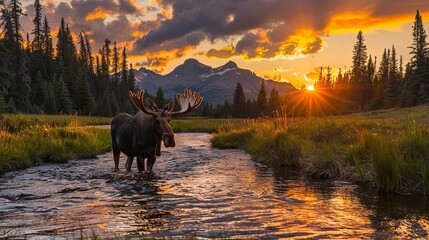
<point x="100" y="19"/>
<point x="268" y="29"/>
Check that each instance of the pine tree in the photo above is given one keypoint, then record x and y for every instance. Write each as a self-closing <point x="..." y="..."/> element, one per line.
<point x="39" y="90"/>
<point x="89" y="56"/>
<point x="391" y="86"/>
<point x="160" y="99"/>
<point x="131" y="79"/>
<point x="37" y="32"/>
<point x="239" y="102"/>
<point x="358" y="71"/>
<point x="115" y="64"/>
<point x="50" y="103"/>
<point x="107" y="55"/>
<point x="5" y="71"/>
<point x="262" y="100"/>
<point x="83" y="100"/>
<point x="274" y="102"/>
<point x="418" y="84"/>
<point x="47" y="39"/>
<point x="368" y="83"/>
<point x="3" y="105"/>
<point x="124" y="78"/>
<point x="62" y="96"/>
<point x="11" y="106"/>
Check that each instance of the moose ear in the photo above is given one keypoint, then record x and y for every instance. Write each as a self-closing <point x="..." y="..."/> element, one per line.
<point x="170" y="106"/>
<point x="151" y="105"/>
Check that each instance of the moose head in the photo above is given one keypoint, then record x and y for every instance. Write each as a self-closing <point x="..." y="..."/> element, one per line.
<point x="187" y="101"/>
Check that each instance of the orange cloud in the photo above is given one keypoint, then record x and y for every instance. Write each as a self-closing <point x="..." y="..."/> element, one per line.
<point x="98" y="13"/>
<point x="347" y="22"/>
<point x="157" y="61"/>
<point x="258" y="46"/>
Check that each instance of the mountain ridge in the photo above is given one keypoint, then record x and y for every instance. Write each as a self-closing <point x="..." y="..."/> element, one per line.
<point x="215" y="84"/>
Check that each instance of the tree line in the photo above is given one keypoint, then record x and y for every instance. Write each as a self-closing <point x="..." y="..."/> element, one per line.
<point x="36" y="77"/>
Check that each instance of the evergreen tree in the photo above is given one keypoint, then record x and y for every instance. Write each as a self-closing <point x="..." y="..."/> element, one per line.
<point x="368" y="83"/>
<point x="239" y="102"/>
<point x="39" y="90"/>
<point x="418" y="85"/>
<point x="131" y="79"/>
<point x="62" y="96"/>
<point x="379" y="84"/>
<point x="48" y="50"/>
<point x="274" y="102"/>
<point x="83" y="100"/>
<point x="107" y="55"/>
<point x="262" y="100"/>
<point x="89" y="56"/>
<point x="3" y="105"/>
<point x="47" y="39"/>
<point x="391" y="86"/>
<point x="37" y="32"/>
<point x="358" y="71"/>
<point x="115" y="64"/>
<point x="5" y="72"/>
<point x="50" y="103"/>
<point x="124" y="78"/>
<point x="160" y="99"/>
<point x="11" y="106"/>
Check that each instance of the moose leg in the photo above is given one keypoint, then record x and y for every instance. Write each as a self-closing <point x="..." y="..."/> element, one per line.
<point x="129" y="163"/>
<point x="140" y="163"/>
<point x="116" y="154"/>
<point x="150" y="162"/>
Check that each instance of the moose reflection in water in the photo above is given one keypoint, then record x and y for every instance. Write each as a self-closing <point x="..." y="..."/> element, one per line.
<point x="141" y="135"/>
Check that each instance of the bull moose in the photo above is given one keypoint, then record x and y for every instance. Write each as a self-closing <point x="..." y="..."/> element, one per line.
<point x="141" y="135"/>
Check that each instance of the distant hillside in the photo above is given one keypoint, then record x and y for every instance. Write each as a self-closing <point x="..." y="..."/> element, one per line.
<point x="214" y="84"/>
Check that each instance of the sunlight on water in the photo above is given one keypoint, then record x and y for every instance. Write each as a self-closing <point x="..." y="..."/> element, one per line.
<point x="198" y="191"/>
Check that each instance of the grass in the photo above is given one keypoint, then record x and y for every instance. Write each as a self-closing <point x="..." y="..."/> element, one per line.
<point x="27" y="140"/>
<point x="388" y="150"/>
<point x="203" y="124"/>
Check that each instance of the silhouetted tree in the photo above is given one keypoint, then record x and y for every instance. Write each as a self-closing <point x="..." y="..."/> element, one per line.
<point x="239" y="102"/>
<point x="262" y="100"/>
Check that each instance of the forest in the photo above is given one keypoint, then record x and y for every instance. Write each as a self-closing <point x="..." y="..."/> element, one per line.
<point x="38" y="77"/>
<point x="69" y="78"/>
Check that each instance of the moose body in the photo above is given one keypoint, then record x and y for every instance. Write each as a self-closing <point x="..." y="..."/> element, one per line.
<point x="135" y="137"/>
<point x="141" y="135"/>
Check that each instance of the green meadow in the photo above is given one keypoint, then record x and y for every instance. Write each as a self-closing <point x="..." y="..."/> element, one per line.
<point x="387" y="150"/>
<point x="28" y="140"/>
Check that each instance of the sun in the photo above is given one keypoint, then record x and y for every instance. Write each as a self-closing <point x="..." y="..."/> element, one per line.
<point x="310" y="88"/>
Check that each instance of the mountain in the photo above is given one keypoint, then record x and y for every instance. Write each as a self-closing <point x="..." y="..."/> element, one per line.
<point x="214" y="84"/>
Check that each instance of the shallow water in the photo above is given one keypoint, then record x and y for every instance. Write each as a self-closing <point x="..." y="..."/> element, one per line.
<point x="197" y="191"/>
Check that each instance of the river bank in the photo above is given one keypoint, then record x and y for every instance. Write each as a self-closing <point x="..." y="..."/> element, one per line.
<point x="387" y="150"/>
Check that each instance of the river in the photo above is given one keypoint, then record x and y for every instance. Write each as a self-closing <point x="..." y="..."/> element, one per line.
<point x="198" y="191"/>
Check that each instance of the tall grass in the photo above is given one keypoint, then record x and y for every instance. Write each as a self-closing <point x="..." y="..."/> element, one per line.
<point x="385" y="150"/>
<point x="25" y="142"/>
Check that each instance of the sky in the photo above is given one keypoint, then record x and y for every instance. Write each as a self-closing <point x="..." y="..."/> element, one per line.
<point x="283" y="40"/>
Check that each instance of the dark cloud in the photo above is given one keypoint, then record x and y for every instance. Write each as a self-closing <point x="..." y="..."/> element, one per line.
<point x="278" y="19"/>
<point x="81" y="15"/>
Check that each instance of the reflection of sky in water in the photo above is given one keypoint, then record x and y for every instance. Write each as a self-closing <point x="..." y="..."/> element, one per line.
<point x="202" y="192"/>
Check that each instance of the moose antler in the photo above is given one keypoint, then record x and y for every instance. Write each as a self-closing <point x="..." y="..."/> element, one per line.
<point x="137" y="98"/>
<point x="188" y="101"/>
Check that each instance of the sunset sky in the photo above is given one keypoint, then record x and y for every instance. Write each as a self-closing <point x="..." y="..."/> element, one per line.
<point x="285" y="40"/>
